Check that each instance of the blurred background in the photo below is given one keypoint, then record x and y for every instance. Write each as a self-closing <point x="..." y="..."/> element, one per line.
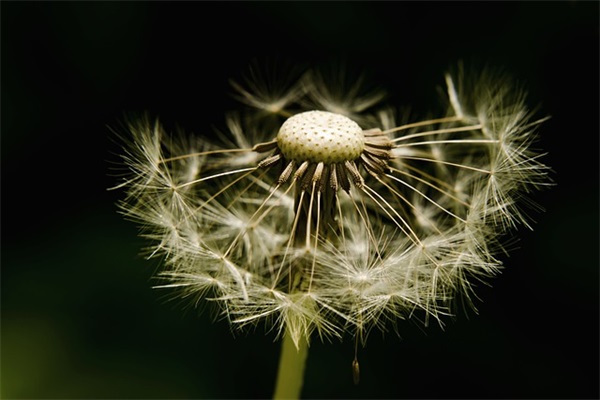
<point x="79" y="316"/>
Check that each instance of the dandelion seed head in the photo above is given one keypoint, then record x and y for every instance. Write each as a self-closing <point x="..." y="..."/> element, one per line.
<point x="317" y="213"/>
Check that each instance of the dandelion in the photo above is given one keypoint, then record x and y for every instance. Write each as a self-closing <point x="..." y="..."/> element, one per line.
<point x="319" y="215"/>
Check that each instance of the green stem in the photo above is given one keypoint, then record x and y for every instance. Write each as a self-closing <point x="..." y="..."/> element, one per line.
<point x="290" y="375"/>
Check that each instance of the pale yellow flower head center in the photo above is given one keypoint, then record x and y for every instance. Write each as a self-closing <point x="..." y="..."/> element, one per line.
<point x="320" y="136"/>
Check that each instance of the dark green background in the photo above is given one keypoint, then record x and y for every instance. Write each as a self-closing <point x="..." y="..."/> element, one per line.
<point x="79" y="319"/>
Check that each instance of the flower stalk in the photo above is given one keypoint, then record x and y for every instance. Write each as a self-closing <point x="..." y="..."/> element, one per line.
<point x="292" y="363"/>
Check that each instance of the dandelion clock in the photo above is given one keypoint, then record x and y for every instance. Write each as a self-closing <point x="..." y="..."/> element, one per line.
<point x="319" y="215"/>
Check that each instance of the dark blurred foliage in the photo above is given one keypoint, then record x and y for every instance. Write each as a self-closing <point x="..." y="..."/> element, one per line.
<point x="79" y="317"/>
